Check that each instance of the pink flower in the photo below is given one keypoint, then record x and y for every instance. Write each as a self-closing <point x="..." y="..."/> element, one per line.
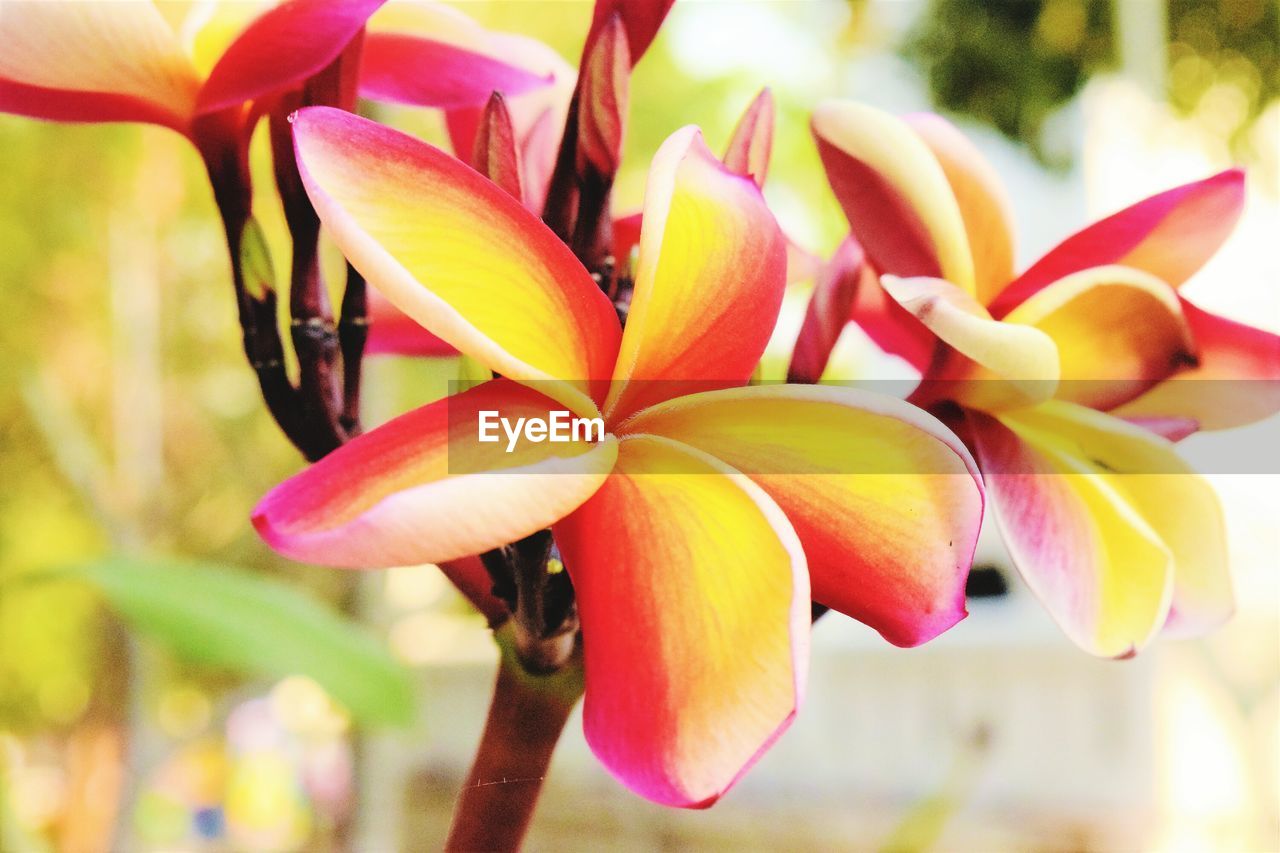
<point x="694" y="529"/>
<point x="1040" y="372"/>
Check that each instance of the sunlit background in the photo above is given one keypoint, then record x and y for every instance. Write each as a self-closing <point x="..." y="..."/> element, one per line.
<point x="130" y="426"/>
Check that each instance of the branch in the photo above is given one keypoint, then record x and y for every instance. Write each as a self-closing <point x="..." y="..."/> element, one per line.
<point x="593" y="231"/>
<point x="315" y="337"/>
<point x="353" y="333"/>
<point x="225" y="153"/>
<point x="560" y="209"/>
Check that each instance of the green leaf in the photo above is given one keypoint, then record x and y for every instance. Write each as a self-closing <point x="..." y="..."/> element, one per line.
<point x="255" y="261"/>
<point x="231" y="618"/>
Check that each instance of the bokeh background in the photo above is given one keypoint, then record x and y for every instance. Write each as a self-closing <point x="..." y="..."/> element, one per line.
<point x="167" y="683"/>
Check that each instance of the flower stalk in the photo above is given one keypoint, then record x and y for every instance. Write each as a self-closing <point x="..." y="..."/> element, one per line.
<point x="353" y="334"/>
<point x="526" y="717"/>
<point x="328" y="400"/>
<point x="531" y="580"/>
<point x="320" y="412"/>
<point x="560" y="208"/>
<point x="226" y="160"/>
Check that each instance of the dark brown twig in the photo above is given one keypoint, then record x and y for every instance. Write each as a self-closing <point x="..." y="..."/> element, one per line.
<point x="353" y="333"/>
<point x="560" y="209"/>
<point x="312" y="329"/>
<point x="544" y="620"/>
<point x="593" y="228"/>
<point x="219" y="137"/>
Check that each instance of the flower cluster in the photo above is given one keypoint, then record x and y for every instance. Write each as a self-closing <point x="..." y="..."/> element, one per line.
<point x="713" y="514"/>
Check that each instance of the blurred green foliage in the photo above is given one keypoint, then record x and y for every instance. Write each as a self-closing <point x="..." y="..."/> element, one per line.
<point x="93" y="218"/>
<point x="223" y="617"/>
<point x="1013" y="63"/>
<point x="51" y="257"/>
<point x="1231" y="47"/>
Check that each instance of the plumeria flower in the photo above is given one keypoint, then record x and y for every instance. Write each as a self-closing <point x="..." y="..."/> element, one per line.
<point x="590" y="105"/>
<point x="747" y="153"/>
<point x="174" y="64"/>
<point x="696" y="527"/>
<point x="1061" y="376"/>
<point x="410" y="33"/>
<point x="212" y="71"/>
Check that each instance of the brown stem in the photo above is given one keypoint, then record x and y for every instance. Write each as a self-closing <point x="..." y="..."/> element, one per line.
<point x="226" y="159"/>
<point x="315" y="337"/>
<point x="328" y="404"/>
<point x="593" y="230"/>
<point x="353" y="332"/>
<point x="559" y="211"/>
<point x="544" y="620"/>
<point x="526" y="717"/>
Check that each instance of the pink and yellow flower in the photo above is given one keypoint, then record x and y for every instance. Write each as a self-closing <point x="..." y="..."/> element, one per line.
<point x="695" y="529"/>
<point x="174" y="63"/>
<point x="210" y="70"/>
<point x="591" y="105"/>
<point x="1053" y="371"/>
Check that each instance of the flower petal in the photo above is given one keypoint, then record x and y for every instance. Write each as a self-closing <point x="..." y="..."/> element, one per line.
<point x="886" y="500"/>
<point x="1179" y="505"/>
<point x="401" y="68"/>
<point x="994" y="365"/>
<point x="538" y="146"/>
<point x="709" y="279"/>
<point x="846" y="289"/>
<point x="393" y="332"/>
<point x="641" y="19"/>
<point x="1119" y="331"/>
<point x="441" y="23"/>
<point x="802" y="265"/>
<point x="1085" y="552"/>
<point x="828" y="312"/>
<point x="894" y="193"/>
<point x="604" y="91"/>
<point x="626" y="238"/>
<point x="458" y="254"/>
<point x="1236" y="382"/>
<point x="207" y="29"/>
<point x="495" y="155"/>
<point x="984" y="204"/>
<point x="282" y="47"/>
<point x="752" y="140"/>
<point x="63" y="105"/>
<point x="93" y="61"/>
<point x="1170" y="235"/>
<point x="1170" y="428"/>
<point x="421" y="489"/>
<point x="471" y="578"/>
<point x="538" y="116"/>
<point x="890" y="326"/>
<point x="695" y="621"/>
